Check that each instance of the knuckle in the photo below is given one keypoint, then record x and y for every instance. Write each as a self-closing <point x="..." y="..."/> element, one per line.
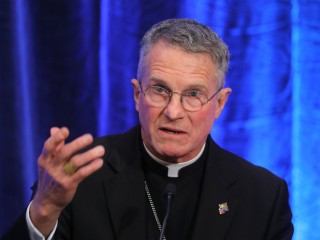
<point x="65" y="185"/>
<point x="76" y="159"/>
<point x="82" y="174"/>
<point x="46" y="146"/>
<point x="41" y="162"/>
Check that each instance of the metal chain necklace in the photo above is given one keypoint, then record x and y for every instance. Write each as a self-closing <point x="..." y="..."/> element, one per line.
<point x="153" y="207"/>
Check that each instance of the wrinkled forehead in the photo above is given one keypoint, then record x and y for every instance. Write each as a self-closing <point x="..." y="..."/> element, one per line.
<point x="165" y="52"/>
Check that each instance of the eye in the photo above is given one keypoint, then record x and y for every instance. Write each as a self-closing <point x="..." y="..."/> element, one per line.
<point x="159" y="89"/>
<point x="193" y="93"/>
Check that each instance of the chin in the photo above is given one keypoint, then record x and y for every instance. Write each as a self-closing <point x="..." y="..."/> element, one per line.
<point x="172" y="152"/>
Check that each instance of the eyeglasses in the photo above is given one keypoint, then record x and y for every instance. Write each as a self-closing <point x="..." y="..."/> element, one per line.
<point x="191" y="100"/>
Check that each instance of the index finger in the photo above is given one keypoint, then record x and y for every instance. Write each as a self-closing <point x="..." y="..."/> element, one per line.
<point x="56" y="140"/>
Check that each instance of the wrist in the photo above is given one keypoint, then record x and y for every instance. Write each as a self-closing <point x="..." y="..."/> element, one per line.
<point x="43" y="216"/>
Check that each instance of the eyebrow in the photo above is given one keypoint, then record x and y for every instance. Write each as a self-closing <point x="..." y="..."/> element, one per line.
<point x="155" y="81"/>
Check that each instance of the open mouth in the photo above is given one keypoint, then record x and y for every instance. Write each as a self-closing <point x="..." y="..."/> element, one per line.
<point x="172" y="131"/>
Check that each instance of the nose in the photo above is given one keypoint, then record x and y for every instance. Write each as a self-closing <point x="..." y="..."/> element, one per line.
<point x="174" y="109"/>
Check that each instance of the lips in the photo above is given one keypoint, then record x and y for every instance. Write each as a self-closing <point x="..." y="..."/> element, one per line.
<point x="172" y="130"/>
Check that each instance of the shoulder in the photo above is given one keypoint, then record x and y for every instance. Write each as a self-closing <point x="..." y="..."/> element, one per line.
<point x="262" y="197"/>
<point x="241" y="169"/>
<point x="122" y="155"/>
<point x="117" y="140"/>
<point x="122" y="151"/>
<point x="120" y="146"/>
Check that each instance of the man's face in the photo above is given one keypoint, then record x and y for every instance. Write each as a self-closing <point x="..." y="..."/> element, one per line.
<point x="171" y="133"/>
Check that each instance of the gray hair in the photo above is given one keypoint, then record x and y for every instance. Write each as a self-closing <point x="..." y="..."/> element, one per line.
<point x="190" y="36"/>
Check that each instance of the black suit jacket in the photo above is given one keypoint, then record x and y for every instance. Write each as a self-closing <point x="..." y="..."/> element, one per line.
<point x="110" y="204"/>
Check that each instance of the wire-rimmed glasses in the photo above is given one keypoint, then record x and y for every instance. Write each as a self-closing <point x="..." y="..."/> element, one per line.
<point x="191" y="100"/>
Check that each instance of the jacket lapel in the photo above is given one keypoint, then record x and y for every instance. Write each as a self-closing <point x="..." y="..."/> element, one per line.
<point x="126" y="203"/>
<point x="124" y="190"/>
<point x="217" y="187"/>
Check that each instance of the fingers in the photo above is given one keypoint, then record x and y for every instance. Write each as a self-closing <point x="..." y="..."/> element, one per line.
<point x="55" y="141"/>
<point x="76" y="145"/>
<point x="64" y="159"/>
<point x="55" y="147"/>
<point x="53" y="130"/>
<point x="87" y="170"/>
<point x="82" y="160"/>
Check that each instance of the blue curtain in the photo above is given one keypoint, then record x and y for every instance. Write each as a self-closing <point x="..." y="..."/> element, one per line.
<point x="69" y="63"/>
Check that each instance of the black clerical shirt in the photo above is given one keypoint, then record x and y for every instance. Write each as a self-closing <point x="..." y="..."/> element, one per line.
<point x="184" y="206"/>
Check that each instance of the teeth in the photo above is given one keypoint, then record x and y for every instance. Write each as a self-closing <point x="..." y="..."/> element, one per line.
<point x="170" y="131"/>
<point x="174" y="132"/>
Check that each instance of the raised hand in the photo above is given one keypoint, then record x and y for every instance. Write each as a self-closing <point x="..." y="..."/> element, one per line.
<point x="61" y="169"/>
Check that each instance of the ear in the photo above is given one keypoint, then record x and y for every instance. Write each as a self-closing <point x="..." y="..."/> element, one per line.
<point x="224" y="94"/>
<point x="136" y="92"/>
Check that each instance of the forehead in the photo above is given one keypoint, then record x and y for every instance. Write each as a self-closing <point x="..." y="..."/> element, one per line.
<point x="174" y="65"/>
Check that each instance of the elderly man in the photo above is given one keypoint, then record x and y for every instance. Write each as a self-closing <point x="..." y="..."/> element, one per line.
<point x="114" y="189"/>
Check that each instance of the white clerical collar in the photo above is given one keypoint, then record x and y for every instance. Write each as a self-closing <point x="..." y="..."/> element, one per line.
<point x="174" y="168"/>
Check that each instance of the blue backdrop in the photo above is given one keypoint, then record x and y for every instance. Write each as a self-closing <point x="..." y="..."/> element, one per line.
<point x="69" y="63"/>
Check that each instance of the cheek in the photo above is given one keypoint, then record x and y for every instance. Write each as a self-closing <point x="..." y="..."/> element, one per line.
<point x="203" y="121"/>
<point x="146" y="114"/>
<point x="149" y="121"/>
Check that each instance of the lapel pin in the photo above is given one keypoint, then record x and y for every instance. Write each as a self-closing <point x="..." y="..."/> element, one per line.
<point x="223" y="208"/>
